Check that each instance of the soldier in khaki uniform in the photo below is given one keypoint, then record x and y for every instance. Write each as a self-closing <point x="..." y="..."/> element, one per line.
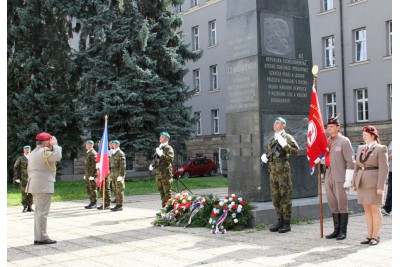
<point x="339" y="172"/>
<point x="21" y="178"/>
<point x="164" y="175"/>
<point x="117" y="174"/>
<point x="91" y="174"/>
<point x="280" y="173"/>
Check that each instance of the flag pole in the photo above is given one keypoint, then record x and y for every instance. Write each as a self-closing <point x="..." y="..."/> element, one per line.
<point x="104" y="180"/>
<point x="321" y="216"/>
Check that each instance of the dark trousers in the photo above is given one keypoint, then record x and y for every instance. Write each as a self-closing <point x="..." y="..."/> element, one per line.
<point x="388" y="202"/>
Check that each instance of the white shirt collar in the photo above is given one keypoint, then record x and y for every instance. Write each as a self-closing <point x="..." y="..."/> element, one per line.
<point x="279" y="133"/>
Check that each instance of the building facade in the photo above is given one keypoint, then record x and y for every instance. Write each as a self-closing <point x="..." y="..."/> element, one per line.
<point x="351" y="44"/>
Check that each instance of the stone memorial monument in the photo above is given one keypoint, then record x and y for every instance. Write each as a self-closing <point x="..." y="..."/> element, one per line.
<point x="269" y="65"/>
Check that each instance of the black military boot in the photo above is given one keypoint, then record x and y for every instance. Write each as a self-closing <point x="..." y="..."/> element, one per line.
<point x="275" y="227"/>
<point x="30" y="208"/>
<point x="117" y="208"/>
<point x="105" y="207"/>
<point x="25" y="208"/>
<point x="285" y="227"/>
<point x="335" y="217"/>
<point x="92" y="205"/>
<point x="114" y="201"/>
<point x="343" y="219"/>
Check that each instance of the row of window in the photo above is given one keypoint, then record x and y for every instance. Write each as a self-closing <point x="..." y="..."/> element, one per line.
<point x="328" y="4"/>
<point x="212" y="35"/>
<point x="361" y="101"/>
<point x="360" y="46"/>
<point x="213" y="74"/>
<point x="214" y="122"/>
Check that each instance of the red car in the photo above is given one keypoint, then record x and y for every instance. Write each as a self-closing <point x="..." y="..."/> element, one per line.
<point x="196" y="167"/>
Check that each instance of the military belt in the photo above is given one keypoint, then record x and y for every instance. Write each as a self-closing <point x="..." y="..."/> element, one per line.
<point x="368" y="168"/>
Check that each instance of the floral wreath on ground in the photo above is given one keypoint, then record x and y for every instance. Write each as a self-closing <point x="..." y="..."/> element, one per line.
<point x="231" y="213"/>
<point x="184" y="209"/>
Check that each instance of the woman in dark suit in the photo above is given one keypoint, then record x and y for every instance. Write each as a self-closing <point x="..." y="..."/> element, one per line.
<point x="369" y="177"/>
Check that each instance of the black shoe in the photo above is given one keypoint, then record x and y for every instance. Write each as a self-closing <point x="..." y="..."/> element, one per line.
<point x="45" y="242"/>
<point x="117" y="208"/>
<point x="25" y="209"/>
<point x="336" y="226"/>
<point x="92" y="205"/>
<point x="275" y="227"/>
<point x="101" y="207"/>
<point x="285" y="227"/>
<point x="374" y="241"/>
<point x="114" y="201"/>
<point x="30" y="208"/>
<point x="366" y="242"/>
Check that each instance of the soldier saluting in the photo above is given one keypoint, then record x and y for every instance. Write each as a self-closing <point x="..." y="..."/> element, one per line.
<point x="282" y="145"/>
<point x="117" y="174"/>
<point x="164" y="175"/>
<point x="91" y="174"/>
<point x="21" y="178"/>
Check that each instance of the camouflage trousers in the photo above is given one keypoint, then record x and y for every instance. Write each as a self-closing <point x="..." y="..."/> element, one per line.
<point x="91" y="189"/>
<point x="118" y="188"/>
<point x="26" y="198"/>
<point x="281" y="191"/>
<point x="107" y="194"/>
<point x="164" y="187"/>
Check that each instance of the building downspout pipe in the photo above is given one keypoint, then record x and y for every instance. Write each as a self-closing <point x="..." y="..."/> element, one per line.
<point x="342" y="63"/>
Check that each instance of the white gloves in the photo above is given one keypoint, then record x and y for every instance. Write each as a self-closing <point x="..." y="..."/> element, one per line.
<point x="18" y="181"/>
<point x="159" y="152"/>
<point x="349" y="176"/>
<point x="84" y="177"/>
<point x="119" y="178"/>
<point x="282" y="141"/>
<point x="264" y="158"/>
<point x="97" y="165"/>
<point x="91" y="178"/>
<point x="151" y="167"/>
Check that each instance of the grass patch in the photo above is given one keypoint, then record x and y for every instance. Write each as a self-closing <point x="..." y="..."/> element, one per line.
<point x="76" y="190"/>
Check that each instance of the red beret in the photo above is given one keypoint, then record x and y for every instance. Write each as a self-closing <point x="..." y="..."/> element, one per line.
<point x="371" y="130"/>
<point x="43" y="136"/>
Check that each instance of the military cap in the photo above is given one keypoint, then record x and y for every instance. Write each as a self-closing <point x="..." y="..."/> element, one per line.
<point x="165" y="134"/>
<point x="280" y="119"/>
<point x="334" y="120"/>
<point x="25" y="147"/>
<point x="115" y="142"/>
<point x="89" y="142"/>
<point x="43" y="136"/>
<point x="371" y="130"/>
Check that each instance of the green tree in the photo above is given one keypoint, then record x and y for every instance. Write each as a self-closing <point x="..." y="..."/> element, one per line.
<point x="132" y="59"/>
<point x="41" y="75"/>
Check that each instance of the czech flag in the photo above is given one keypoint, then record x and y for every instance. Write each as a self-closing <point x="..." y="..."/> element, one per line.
<point x="317" y="144"/>
<point x="102" y="157"/>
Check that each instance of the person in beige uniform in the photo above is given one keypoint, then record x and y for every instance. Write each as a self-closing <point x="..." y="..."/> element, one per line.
<point x="42" y="175"/>
<point x="339" y="172"/>
<point x="369" y="178"/>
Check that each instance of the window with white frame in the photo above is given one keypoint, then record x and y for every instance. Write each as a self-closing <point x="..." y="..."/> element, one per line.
<point x="327" y="5"/>
<point x="360" y="41"/>
<point x="362" y="105"/>
<point x="196" y="81"/>
<point x="330" y="100"/>
<point x="215" y="121"/>
<point x="195" y="3"/>
<point x="214" y="77"/>
<point x="389" y="41"/>
<point x="197" y="115"/>
<point x="212" y="27"/>
<point x="390" y="100"/>
<point x="329" y="46"/>
<point x="195" y="38"/>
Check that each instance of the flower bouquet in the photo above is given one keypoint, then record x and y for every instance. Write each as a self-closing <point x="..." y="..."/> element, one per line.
<point x="230" y="213"/>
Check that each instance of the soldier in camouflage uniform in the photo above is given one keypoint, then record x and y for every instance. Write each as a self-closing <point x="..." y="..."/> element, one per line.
<point x="91" y="174"/>
<point x="21" y="178"/>
<point x="164" y="175"/>
<point x="117" y="174"/>
<point x="280" y="174"/>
